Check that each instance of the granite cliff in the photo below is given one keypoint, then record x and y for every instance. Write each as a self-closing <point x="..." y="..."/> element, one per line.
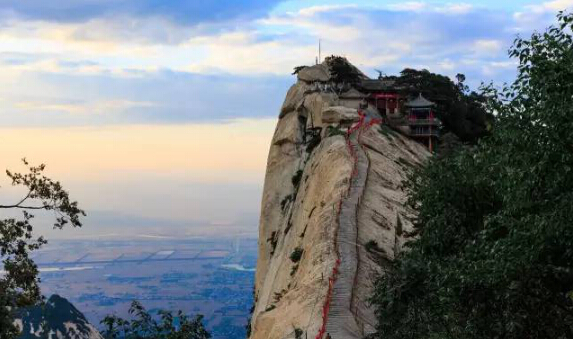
<point x="333" y="213"/>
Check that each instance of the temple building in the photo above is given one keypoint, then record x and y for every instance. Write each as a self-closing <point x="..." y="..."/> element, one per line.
<point x="415" y="118"/>
<point x="385" y="97"/>
<point x="424" y="126"/>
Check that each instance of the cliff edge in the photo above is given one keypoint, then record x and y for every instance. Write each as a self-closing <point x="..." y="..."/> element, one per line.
<point x="333" y="214"/>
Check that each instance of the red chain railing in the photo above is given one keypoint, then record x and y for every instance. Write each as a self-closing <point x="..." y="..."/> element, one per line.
<point x="334" y="274"/>
<point x="335" y="269"/>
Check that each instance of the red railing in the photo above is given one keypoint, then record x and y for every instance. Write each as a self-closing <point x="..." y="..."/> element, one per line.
<point x="334" y="274"/>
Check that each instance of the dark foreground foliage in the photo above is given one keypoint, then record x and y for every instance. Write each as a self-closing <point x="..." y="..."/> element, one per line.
<point x="19" y="286"/>
<point x="143" y="326"/>
<point x="494" y="257"/>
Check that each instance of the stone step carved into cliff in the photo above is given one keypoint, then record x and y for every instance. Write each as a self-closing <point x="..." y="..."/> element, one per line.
<point x="341" y="322"/>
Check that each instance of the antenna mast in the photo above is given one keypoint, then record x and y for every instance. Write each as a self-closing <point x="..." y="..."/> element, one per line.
<point x="319" y="51"/>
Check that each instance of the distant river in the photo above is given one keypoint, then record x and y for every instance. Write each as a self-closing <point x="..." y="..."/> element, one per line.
<point x="238" y="267"/>
<point x="59" y="269"/>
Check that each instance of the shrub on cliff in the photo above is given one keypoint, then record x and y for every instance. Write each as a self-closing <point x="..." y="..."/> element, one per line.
<point x="296" y="254"/>
<point x="494" y="256"/>
<point x="296" y="178"/>
<point x="144" y="326"/>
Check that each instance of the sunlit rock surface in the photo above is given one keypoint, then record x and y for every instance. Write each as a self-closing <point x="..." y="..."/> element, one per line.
<point x="335" y="196"/>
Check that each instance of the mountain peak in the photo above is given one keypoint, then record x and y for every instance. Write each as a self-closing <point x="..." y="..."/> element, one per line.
<point x="333" y="212"/>
<point x="56" y="319"/>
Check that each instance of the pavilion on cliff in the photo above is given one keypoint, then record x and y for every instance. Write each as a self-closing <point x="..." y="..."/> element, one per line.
<point x="424" y="126"/>
<point x="415" y="118"/>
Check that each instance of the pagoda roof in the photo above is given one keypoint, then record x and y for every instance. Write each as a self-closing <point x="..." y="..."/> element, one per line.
<point x="420" y="102"/>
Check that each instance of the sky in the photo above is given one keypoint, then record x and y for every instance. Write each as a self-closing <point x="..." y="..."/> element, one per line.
<point x="155" y="112"/>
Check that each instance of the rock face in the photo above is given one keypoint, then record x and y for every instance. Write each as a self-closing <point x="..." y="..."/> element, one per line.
<point x="314" y="73"/>
<point x="332" y="192"/>
<point x="58" y="319"/>
<point x="339" y="114"/>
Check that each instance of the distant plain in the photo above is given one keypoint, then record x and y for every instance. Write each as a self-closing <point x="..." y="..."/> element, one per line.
<point x="211" y="276"/>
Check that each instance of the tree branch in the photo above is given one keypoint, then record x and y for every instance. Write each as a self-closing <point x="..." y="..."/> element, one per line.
<point x="24" y="207"/>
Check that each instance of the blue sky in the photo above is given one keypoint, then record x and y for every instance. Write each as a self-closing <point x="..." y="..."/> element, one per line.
<point x="150" y="61"/>
<point x="131" y="100"/>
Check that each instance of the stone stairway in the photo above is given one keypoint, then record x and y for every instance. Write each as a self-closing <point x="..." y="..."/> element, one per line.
<point x="341" y="322"/>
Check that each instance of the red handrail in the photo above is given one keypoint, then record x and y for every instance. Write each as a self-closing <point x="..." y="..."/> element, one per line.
<point x="334" y="274"/>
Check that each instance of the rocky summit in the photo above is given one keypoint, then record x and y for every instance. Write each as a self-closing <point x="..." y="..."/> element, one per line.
<point x="333" y="212"/>
<point x="56" y="319"/>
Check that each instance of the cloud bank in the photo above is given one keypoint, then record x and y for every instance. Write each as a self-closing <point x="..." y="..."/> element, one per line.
<point x="87" y="62"/>
<point x="185" y="12"/>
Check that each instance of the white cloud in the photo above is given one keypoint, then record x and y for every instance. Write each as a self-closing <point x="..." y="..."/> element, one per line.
<point x="487" y="47"/>
<point x="495" y="67"/>
<point x="510" y="64"/>
<point x="242" y="55"/>
<point x="415" y="33"/>
<point x="455" y="8"/>
<point x="273" y="45"/>
<point x="94" y="107"/>
<point x="447" y="65"/>
<point x="313" y="10"/>
<point x="419" y="6"/>
<point x="410" y="6"/>
<point x="550" y="6"/>
<point x="539" y="16"/>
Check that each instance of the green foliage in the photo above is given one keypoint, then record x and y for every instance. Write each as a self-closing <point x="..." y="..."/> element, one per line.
<point x="333" y="131"/>
<point x="278" y="296"/>
<point x="251" y="311"/>
<point x="312" y="143"/>
<point x="289" y="226"/>
<point x="293" y="269"/>
<point x="286" y="200"/>
<point x="19" y="286"/>
<point x="462" y="112"/>
<point x="494" y="256"/>
<point x="341" y="70"/>
<point x="274" y="240"/>
<point x="296" y="178"/>
<point x="371" y="246"/>
<point x="386" y="131"/>
<point x="295" y="257"/>
<point x="297" y="69"/>
<point x="296" y="254"/>
<point x="144" y="326"/>
<point x="404" y="163"/>
<point x="298" y="333"/>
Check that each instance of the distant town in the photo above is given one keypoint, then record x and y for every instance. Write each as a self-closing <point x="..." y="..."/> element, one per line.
<point x="210" y="276"/>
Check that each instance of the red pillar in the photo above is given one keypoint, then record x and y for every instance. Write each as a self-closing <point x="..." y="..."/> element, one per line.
<point x="430" y="141"/>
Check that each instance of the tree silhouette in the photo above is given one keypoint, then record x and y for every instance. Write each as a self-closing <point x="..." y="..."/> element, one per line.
<point x="143" y="325"/>
<point x="19" y="285"/>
